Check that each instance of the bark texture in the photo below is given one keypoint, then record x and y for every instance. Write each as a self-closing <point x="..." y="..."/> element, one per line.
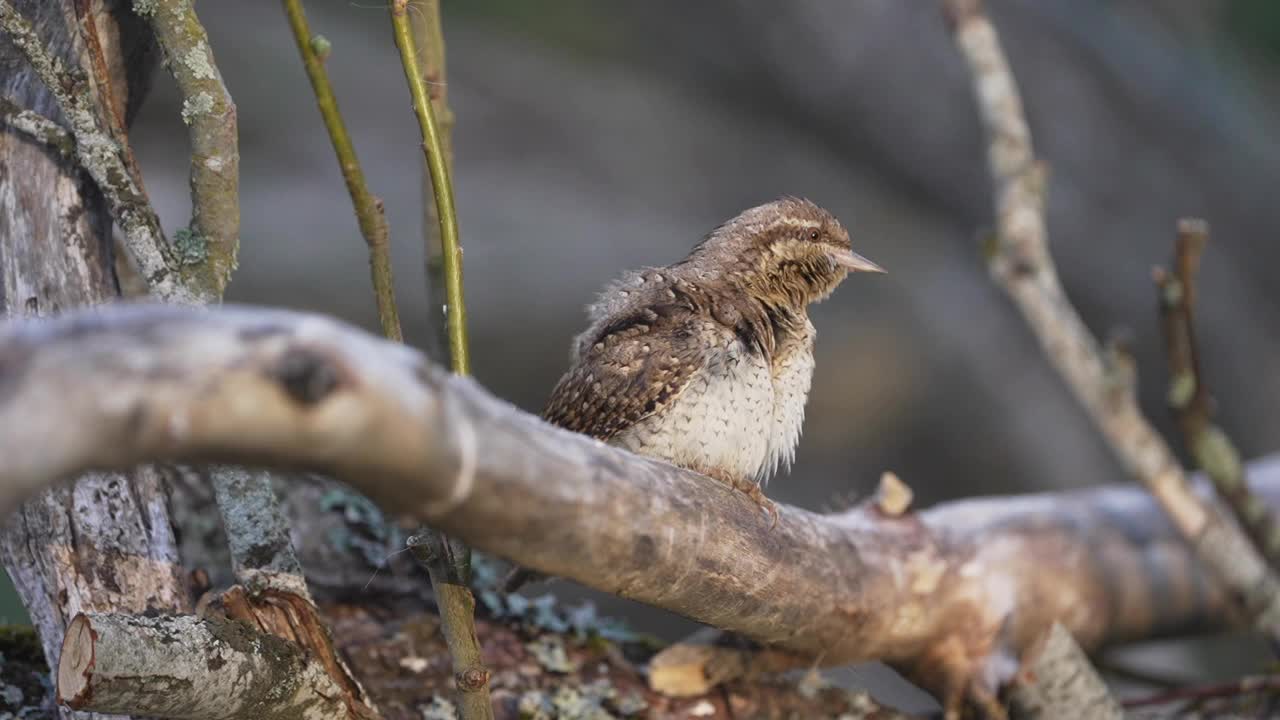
<point x="102" y="543"/>
<point x="1057" y="681"/>
<point x="953" y="595"/>
<point x="186" y="667"/>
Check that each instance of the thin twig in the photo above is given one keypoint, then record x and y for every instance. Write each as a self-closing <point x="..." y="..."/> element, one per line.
<point x="209" y="247"/>
<point x="1189" y="396"/>
<point x="368" y="207"/>
<point x="449" y="565"/>
<point x="1020" y="262"/>
<point x="102" y="158"/>
<point x="37" y="127"/>
<point x="1243" y="686"/>
<point x="456" y="604"/>
<point x="429" y="33"/>
<point x="432" y="146"/>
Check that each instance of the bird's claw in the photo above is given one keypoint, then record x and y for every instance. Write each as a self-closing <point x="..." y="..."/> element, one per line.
<point x="753" y="491"/>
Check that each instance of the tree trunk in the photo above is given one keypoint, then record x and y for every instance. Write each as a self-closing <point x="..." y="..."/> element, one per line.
<point x="103" y="543"/>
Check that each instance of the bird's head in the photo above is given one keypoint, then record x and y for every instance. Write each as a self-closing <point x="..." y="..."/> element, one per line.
<point x="789" y="251"/>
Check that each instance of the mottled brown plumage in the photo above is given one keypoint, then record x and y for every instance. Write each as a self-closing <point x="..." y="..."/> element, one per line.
<point x="706" y="363"/>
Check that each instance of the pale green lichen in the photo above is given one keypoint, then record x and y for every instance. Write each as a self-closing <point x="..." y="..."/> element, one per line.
<point x="196" y="105"/>
<point x="546" y="613"/>
<point x="439" y="709"/>
<point x="11" y="695"/>
<point x="1181" y="389"/>
<point x="534" y="705"/>
<point x="145" y="8"/>
<point x="592" y="701"/>
<point x="549" y="651"/>
<point x="1171" y="293"/>
<point x="189" y="247"/>
<point x="197" y="60"/>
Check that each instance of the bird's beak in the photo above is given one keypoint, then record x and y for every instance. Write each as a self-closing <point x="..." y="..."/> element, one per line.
<point x="853" y="262"/>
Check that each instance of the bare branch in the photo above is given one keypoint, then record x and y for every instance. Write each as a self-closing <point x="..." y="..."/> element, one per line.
<point x="433" y="146"/>
<point x="448" y="560"/>
<point x="185" y="667"/>
<point x="1248" y="685"/>
<point x="1189" y="395"/>
<point x="262" y="554"/>
<point x="37" y="127"/>
<point x="952" y="595"/>
<point x="368" y="207"/>
<point x="1057" y="681"/>
<point x="1021" y="263"/>
<point x="209" y="247"/>
<point x="428" y="32"/>
<point x="102" y="159"/>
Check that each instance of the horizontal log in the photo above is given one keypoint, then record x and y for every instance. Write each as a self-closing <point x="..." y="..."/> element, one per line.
<point x="952" y="595"/>
<point x="190" y="668"/>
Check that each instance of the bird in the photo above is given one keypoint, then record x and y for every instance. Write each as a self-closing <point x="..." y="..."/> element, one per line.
<point x="707" y="363"/>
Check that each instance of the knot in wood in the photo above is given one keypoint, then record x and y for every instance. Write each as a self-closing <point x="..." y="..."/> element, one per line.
<point x="306" y="375"/>
<point x="472" y="679"/>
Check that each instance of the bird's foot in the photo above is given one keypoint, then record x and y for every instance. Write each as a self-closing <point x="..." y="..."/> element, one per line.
<point x="751" y="489"/>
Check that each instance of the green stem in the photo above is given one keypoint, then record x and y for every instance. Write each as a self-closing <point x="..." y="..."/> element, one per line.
<point x="433" y="147"/>
<point x="368" y="208"/>
<point x="429" y="35"/>
<point x="447" y="561"/>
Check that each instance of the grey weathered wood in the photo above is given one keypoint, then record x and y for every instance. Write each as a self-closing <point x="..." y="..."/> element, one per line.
<point x="952" y="595"/>
<point x="102" y="543"/>
<point x="182" y="666"/>
<point x="1057" y="682"/>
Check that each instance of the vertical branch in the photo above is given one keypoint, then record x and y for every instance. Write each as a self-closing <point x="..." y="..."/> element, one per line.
<point x="368" y="207"/>
<point x="208" y="248"/>
<point x="1021" y="264"/>
<point x="429" y="31"/>
<point x="1189" y="396"/>
<point x="442" y="186"/>
<point x="447" y="561"/>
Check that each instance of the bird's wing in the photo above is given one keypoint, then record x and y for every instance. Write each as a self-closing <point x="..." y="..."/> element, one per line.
<point x="630" y="368"/>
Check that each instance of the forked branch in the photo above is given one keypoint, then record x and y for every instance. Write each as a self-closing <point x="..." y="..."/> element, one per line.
<point x="368" y="207"/>
<point x="1021" y="264"/>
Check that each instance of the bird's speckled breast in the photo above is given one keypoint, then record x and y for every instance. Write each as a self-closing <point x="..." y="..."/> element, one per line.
<point x="792" y="376"/>
<point x="738" y="415"/>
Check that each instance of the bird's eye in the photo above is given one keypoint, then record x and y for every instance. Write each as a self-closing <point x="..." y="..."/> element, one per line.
<point x="813" y="234"/>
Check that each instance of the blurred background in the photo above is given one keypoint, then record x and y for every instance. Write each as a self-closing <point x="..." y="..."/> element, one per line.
<point x="596" y="137"/>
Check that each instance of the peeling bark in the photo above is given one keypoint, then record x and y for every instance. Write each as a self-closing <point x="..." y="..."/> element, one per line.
<point x="103" y="543"/>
